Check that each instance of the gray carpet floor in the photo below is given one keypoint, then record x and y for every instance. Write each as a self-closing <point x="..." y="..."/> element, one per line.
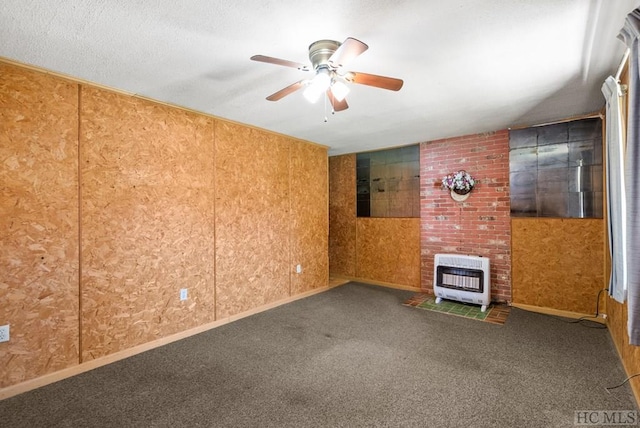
<point x="353" y="356"/>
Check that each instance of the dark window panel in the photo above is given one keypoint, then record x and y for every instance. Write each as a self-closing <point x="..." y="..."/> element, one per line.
<point x="553" y="156"/>
<point x="585" y="205"/>
<point x="587" y="129"/>
<point x="597" y="180"/>
<point x="523" y="182"/>
<point x="524" y="159"/>
<point x="364" y="208"/>
<point x="389" y="182"/>
<point x="598" y="204"/>
<point x="520" y="138"/>
<point x="380" y="208"/>
<point x="378" y="158"/>
<point x="583" y="179"/>
<point x="554" y="180"/>
<point x="583" y="153"/>
<point x="524" y="205"/>
<point x="553" y="134"/>
<point x="363" y="160"/>
<point x="597" y="151"/>
<point x="410" y="153"/>
<point x="552" y="205"/>
<point x="561" y="174"/>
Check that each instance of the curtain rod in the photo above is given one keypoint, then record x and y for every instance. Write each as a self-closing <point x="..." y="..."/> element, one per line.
<point x="625" y="57"/>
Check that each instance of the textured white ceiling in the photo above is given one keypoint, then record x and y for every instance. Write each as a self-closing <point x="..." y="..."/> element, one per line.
<point x="468" y="65"/>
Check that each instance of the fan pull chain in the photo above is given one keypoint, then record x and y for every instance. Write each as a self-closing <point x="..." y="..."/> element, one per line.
<point x="325" y="109"/>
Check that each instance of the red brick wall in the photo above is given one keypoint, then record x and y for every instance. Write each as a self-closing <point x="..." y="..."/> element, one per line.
<point x="480" y="225"/>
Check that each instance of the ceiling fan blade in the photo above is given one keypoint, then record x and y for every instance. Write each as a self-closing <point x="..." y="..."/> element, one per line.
<point x="383" y="82"/>
<point x="348" y="50"/>
<point x="286" y="91"/>
<point x="278" y="61"/>
<point x="337" y="105"/>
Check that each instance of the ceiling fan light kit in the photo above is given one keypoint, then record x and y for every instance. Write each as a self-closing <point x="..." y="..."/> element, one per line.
<point x="339" y="89"/>
<point x="323" y="81"/>
<point x="328" y="58"/>
<point x="318" y="85"/>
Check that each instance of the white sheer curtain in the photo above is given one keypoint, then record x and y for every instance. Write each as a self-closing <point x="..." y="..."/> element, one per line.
<point x="616" y="204"/>
<point x="629" y="34"/>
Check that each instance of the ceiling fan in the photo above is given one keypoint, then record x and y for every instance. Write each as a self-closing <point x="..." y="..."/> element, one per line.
<point x="328" y="58"/>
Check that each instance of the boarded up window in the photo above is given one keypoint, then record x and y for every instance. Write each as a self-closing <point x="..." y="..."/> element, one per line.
<point x="388" y="182"/>
<point x="556" y="170"/>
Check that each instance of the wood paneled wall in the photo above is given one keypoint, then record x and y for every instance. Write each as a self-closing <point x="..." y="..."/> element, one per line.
<point x="388" y="250"/>
<point x="309" y="218"/>
<point x="38" y="223"/>
<point x="630" y="355"/>
<point x="147" y="221"/>
<point x="380" y="250"/>
<point x="252" y="222"/>
<point x="112" y="204"/>
<point x="558" y="263"/>
<point x="342" y="215"/>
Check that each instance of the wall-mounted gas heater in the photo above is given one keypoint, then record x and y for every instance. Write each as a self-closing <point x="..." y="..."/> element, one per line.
<point x="462" y="278"/>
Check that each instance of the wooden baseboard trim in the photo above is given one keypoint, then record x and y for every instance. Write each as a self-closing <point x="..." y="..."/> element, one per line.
<point x="68" y="372"/>
<point x="383" y="284"/>
<point x="557" y="312"/>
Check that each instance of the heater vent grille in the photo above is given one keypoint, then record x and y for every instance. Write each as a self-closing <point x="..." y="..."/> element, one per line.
<point x="463" y="278"/>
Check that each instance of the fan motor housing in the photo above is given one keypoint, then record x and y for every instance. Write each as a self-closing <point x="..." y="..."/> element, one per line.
<point x="321" y="51"/>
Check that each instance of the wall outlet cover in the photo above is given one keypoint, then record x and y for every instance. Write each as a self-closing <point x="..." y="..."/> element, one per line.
<point x="4" y="333"/>
<point x="183" y="294"/>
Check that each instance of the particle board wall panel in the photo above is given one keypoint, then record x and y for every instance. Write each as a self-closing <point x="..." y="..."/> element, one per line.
<point x="558" y="263"/>
<point x="342" y="215"/>
<point x="146" y="194"/>
<point x="309" y="217"/>
<point x="629" y="354"/>
<point x="38" y="223"/>
<point x="147" y="221"/>
<point x="252" y="218"/>
<point x="388" y="250"/>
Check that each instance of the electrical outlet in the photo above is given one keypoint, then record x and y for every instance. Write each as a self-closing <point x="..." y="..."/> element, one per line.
<point x="299" y="269"/>
<point x="183" y="294"/>
<point x="4" y="333"/>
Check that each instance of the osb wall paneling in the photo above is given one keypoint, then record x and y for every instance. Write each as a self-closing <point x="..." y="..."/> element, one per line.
<point x="252" y="218"/>
<point x="388" y="250"/>
<point x="558" y="263"/>
<point x="342" y="215"/>
<point x="309" y="217"/>
<point x="147" y="221"/>
<point x="630" y="355"/>
<point x="38" y="223"/>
